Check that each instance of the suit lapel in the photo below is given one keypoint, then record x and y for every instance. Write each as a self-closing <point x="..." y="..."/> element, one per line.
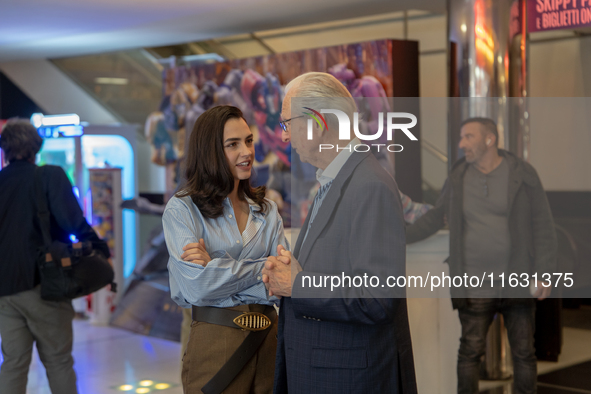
<point x="298" y="245"/>
<point x="326" y="210"/>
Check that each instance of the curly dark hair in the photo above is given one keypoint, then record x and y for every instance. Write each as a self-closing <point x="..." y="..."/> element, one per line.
<point x="20" y="140"/>
<point x="209" y="178"/>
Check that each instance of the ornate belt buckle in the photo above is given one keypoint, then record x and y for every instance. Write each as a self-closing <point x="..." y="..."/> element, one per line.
<point x="252" y="321"/>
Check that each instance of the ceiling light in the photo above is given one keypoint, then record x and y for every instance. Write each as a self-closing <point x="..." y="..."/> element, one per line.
<point x="201" y="58"/>
<point x="38" y="120"/>
<point x="111" y="81"/>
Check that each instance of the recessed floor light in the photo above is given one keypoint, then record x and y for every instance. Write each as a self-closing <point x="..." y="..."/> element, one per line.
<point x="145" y="386"/>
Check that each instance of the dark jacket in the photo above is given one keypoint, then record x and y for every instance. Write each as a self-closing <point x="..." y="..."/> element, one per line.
<point x="20" y="235"/>
<point x="331" y="344"/>
<point x="532" y="234"/>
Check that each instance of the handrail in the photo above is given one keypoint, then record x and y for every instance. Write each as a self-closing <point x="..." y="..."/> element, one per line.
<point x="429" y="147"/>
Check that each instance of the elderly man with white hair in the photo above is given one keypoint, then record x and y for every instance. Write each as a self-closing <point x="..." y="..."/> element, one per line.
<point x="345" y="338"/>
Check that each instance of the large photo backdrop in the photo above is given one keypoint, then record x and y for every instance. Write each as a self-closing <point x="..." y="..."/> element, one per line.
<point x="256" y="86"/>
<point x="376" y="70"/>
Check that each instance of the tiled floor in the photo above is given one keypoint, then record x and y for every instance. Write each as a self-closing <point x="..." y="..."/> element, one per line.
<point x="576" y="378"/>
<point x="571" y="380"/>
<point x="107" y="358"/>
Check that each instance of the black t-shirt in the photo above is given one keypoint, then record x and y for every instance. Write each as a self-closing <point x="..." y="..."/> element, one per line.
<point x="21" y="240"/>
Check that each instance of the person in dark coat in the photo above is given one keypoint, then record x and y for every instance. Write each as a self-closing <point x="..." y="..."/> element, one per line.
<point x="25" y="318"/>
<point x="500" y="223"/>
<point x="352" y="340"/>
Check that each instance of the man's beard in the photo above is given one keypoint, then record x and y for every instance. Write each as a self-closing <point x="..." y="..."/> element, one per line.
<point x="477" y="154"/>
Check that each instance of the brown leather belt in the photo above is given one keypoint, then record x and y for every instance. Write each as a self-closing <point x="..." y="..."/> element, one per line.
<point x="259" y="323"/>
<point x="248" y="321"/>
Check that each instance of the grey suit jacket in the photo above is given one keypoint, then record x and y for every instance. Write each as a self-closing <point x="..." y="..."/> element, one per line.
<point x="349" y="340"/>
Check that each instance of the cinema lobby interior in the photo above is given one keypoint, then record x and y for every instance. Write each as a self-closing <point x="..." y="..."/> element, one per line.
<point x="115" y="90"/>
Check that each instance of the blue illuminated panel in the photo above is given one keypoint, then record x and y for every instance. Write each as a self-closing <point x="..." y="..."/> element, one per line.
<point x="60" y="131"/>
<point x="59" y="152"/>
<point x="103" y="151"/>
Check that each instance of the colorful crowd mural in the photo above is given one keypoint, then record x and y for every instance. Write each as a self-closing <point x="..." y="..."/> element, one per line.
<point x="256" y="86"/>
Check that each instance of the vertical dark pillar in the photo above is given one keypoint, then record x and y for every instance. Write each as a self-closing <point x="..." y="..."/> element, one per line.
<point x="405" y="77"/>
<point x="1" y="106"/>
<point x="13" y="102"/>
<point x="454" y="118"/>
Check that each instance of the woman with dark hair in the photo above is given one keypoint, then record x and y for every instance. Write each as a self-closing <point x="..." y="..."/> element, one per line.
<point x="219" y="232"/>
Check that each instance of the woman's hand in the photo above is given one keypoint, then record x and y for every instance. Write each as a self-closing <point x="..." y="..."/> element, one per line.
<point x="196" y="253"/>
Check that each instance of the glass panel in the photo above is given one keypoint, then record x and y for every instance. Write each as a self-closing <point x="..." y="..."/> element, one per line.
<point x="59" y="152"/>
<point x="102" y="151"/>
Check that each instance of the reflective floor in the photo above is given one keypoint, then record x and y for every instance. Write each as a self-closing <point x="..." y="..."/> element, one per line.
<point x="109" y="360"/>
<point x="570" y="375"/>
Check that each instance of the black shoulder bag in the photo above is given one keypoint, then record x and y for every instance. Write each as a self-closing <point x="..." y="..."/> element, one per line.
<point x="68" y="271"/>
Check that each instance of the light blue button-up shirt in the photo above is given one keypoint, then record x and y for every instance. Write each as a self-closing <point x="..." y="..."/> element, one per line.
<point x="233" y="276"/>
<point x="328" y="175"/>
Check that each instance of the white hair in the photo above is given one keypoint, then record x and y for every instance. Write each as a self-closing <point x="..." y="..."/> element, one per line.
<point x="320" y="91"/>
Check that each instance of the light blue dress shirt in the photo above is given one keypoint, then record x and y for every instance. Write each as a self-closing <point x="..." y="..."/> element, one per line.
<point x="233" y="276"/>
<point x="325" y="178"/>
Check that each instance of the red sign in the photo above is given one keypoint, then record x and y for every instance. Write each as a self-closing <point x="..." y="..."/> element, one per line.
<point x="545" y="15"/>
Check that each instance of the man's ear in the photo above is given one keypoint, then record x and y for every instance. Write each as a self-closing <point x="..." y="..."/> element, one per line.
<point x="493" y="140"/>
<point x="318" y="130"/>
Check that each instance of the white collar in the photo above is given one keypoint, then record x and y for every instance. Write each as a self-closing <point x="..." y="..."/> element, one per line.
<point x="254" y="208"/>
<point x="332" y="170"/>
